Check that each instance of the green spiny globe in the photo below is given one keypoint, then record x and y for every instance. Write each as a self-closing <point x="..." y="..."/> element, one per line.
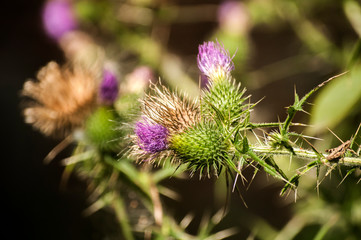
<point x="202" y="147"/>
<point x="102" y="129"/>
<point x="225" y="100"/>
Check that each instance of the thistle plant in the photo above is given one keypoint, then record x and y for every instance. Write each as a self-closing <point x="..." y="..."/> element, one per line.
<point x="89" y="108"/>
<point x="214" y="132"/>
<point x="130" y="135"/>
<point x="207" y="135"/>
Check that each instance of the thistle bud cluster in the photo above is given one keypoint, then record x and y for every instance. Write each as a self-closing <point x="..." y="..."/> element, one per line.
<point x="195" y="133"/>
<point x="211" y="133"/>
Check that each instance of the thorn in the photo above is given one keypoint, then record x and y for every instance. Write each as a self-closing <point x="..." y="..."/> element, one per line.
<point x="306" y="112"/>
<point x="289" y="166"/>
<point x="343" y="179"/>
<point x="57" y="149"/>
<point x="335" y="135"/>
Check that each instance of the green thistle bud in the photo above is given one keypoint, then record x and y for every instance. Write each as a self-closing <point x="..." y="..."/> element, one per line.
<point x="202" y="147"/>
<point x="225" y="100"/>
<point x="101" y="129"/>
<point x="279" y="141"/>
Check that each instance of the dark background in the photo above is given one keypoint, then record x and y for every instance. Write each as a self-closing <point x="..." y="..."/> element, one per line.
<point x="34" y="206"/>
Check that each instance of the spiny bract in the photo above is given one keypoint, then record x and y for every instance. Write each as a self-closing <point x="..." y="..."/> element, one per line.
<point x="203" y="147"/>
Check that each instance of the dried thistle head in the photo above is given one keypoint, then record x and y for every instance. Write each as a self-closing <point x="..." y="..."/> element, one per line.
<point x="61" y="99"/>
<point x="169" y="110"/>
<point x="173" y="129"/>
<point x="164" y="115"/>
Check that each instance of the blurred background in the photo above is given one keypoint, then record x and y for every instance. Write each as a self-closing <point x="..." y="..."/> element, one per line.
<point x="279" y="46"/>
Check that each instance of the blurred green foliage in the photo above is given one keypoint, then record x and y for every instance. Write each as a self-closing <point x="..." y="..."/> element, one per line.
<point x="324" y="39"/>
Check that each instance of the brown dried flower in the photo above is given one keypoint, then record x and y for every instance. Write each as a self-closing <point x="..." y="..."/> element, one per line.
<point x="169" y="110"/>
<point x="163" y="115"/>
<point x="61" y="100"/>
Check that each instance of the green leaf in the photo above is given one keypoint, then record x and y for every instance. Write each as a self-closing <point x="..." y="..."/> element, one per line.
<point x="267" y="167"/>
<point x="122" y="216"/>
<point x="293" y="183"/>
<point x="353" y="13"/>
<point x="166" y="172"/>
<point x="130" y="175"/>
<point x="297" y="105"/>
<point x="335" y="102"/>
<point x="245" y="145"/>
<point x="356" y="54"/>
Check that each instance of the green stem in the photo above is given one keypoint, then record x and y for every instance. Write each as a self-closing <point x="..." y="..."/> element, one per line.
<point x="263" y="125"/>
<point x="287" y="123"/>
<point x="297" y="106"/>
<point x="269" y="169"/>
<point x="120" y="212"/>
<point x="306" y="154"/>
<point x="271" y="124"/>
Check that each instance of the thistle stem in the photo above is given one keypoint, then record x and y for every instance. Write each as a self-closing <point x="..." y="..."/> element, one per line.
<point x="290" y="116"/>
<point x="121" y="214"/>
<point x="270" y="124"/>
<point x="263" y="125"/>
<point x="305" y="154"/>
<point x="297" y="106"/>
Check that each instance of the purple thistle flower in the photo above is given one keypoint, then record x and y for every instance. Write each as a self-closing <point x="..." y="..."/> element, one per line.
<point x="109" y="87"/>
<point x="152" y="138"/>
<point x="58" y="18"/>
<point x="214" y="61"/>
<point x="233" y="17"/>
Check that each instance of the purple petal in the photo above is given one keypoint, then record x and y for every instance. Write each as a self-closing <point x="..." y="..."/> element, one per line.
<point x="212" y="57"/>
<point x="109" y="87"/>
<point x="58" y="18"/>
<point x="152" y="138"/>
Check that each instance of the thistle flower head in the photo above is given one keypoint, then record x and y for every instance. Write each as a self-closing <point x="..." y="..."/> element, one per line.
<point x="61" y="100"/>
<point x="58" y="18"/>
<point x="164" y="115"/>
<point x="233" y="17"/>
<point x="214" y="61"/>
<point x="109" y="88"/>
<point x="102" y="130"/>
<point x="152" y="138"/>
